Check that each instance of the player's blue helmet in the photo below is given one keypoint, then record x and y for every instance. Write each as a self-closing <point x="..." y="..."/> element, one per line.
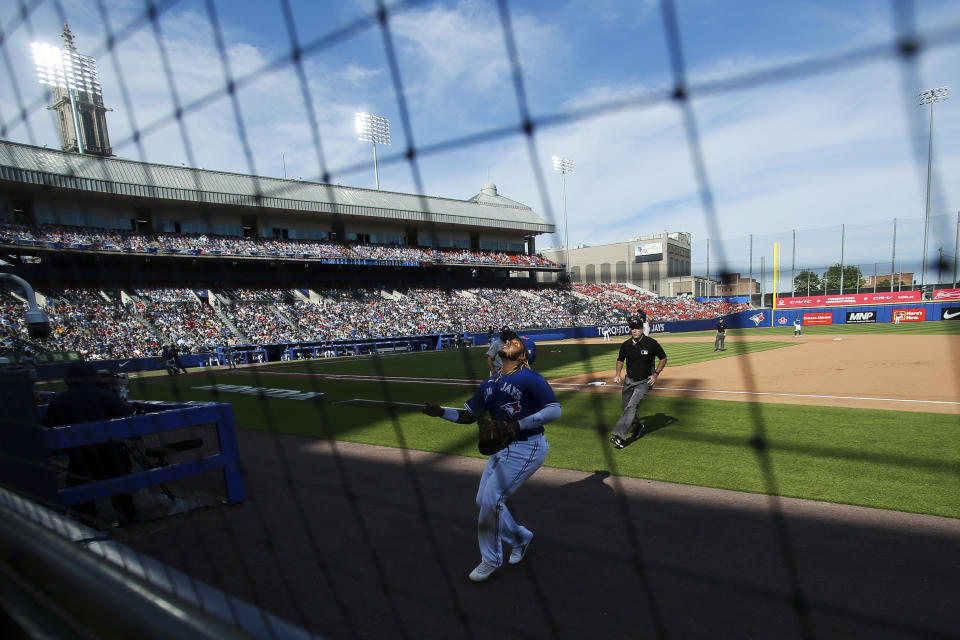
<point x="531" y="348"/>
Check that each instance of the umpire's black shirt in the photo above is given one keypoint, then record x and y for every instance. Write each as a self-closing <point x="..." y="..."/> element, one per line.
<point x="640" y="356"/>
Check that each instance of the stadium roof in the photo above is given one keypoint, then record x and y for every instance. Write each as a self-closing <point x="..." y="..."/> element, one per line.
<point x="21" y="163"/>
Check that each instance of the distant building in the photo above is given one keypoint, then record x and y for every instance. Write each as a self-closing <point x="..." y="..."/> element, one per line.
<point x="899" y="280"/>
<point x="659" y="263"/>
<point x="734" y="285"/>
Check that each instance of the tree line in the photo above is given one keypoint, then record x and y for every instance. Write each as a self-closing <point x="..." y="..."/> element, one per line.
<point x="853" y="279"/>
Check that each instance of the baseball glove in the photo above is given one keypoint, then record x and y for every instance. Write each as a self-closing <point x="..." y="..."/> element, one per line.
<point x="495" y="435"/>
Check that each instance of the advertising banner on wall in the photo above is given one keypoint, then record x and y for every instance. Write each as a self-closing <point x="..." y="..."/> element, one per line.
<point x="950" y="313"/>
<point x="909" y="315"/>
<point x="889" y="297"/>
<point x="817" y="318"/>
<point x="862" y="317"/>
<point x="946" y="294"/>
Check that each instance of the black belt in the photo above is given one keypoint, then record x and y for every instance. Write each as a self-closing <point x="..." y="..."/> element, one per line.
<point x="529" y="433"/>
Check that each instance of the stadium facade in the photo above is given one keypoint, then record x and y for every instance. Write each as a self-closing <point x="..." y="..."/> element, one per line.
<point x="40" y="185"/>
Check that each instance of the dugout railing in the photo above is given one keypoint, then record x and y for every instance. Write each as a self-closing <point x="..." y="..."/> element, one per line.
<point x="28" y="447"/>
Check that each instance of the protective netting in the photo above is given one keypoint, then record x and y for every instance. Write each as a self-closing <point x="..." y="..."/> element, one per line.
<point x="349" y="543"/>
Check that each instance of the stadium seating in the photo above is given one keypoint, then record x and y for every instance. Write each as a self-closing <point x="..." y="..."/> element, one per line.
<point x="138" y="322"/>
<point x="97" y="239"/>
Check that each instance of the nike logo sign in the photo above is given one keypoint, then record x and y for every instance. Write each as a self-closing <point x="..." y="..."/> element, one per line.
<point x="123" y="364"/>
<point x="947" y="315"/>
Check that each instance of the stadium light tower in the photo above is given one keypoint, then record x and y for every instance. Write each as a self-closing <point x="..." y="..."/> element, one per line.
<point x="375" y="130"/>
<point x="564" y="166"/>
<point x="65" y="69"/>
<point x="929" y="96"/>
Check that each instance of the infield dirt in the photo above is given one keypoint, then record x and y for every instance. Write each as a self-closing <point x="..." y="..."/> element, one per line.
<point x="904" y="373"/>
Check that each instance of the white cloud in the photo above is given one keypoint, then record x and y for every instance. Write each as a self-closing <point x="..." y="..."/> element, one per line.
<point x="454" y="61"/>
<point x="845" y="146"/>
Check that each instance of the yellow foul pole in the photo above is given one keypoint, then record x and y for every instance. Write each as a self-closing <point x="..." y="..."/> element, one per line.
<point x="776" y="277"/>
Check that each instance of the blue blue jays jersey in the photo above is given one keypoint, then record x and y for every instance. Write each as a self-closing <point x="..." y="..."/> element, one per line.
<point x="515" y="396"/>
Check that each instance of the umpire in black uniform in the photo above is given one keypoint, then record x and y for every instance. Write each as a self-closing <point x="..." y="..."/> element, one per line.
<point x="640" y="353"/>
<point x="721" y="336"/>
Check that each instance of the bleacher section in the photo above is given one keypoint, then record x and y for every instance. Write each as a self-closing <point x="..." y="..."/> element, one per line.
<point x="134" y="323"/>
<point x="95" y="239"/>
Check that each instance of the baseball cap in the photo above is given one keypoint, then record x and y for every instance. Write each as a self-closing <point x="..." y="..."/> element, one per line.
<point x="531" y="348"/>
<point x="507" y="334"/>
<point x="635" y="322"/>
<point x="79" y="374"/>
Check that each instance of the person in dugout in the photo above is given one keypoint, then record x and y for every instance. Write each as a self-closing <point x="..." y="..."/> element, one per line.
<point x="85" y="400"/>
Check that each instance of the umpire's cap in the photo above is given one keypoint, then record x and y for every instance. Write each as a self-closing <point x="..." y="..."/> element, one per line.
<point x="635" y="322"/>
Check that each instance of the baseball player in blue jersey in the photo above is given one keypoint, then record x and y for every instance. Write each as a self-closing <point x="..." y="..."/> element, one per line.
<point x="520" y="394"/>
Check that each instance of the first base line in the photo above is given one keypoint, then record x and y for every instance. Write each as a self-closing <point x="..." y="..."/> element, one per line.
<point x="807" y="395"/>
<point x="573" y="386"/>
<point x="387" y="402"/>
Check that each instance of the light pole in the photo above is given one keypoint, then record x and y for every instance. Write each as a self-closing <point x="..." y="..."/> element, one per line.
<point x="38" y="323"/>
<point x="375" y="130"/>
<point x="929" y="96"/>
<point x="564" y="166"/>
<point x="68" y="70"/>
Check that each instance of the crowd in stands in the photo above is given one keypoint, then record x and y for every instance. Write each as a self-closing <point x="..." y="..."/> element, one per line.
<point x="674" y="309"/>
<point x="617" y="296"/>
<point x="138" y="322"/>
<point x="96" y="239"/>
<point x="95" y="325"/>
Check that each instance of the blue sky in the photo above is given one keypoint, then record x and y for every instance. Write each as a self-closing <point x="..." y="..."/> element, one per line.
<point x="844" y="145"/>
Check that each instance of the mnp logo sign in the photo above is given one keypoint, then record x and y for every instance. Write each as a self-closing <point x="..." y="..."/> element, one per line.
<point x="861" y="317"/>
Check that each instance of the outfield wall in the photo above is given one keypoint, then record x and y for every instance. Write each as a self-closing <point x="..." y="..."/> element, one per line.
<point x="867" y="314"/>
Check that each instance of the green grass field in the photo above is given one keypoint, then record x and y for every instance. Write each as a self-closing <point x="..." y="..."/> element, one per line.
<point x="886" y="459"/>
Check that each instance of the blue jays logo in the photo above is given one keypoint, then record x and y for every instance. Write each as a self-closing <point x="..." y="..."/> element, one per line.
<point x="757" y="318"/>
<point x="782" y="320"/>
<point x="511" y="408"/>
